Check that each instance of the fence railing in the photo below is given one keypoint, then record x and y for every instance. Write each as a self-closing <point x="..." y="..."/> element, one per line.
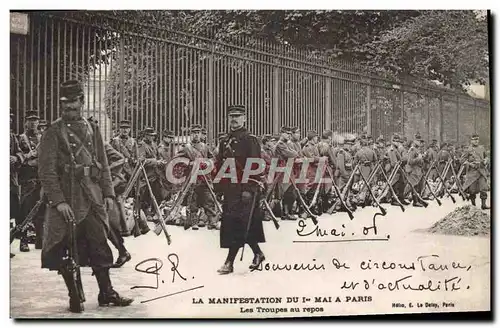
<point x="170" y="80"/>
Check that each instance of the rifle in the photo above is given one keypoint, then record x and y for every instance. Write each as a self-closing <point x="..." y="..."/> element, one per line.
<point x="382" y="210"/>
<point x="266" y="204"/>
<point x="302" y="201"/>
<point x="343" y="194"/>
<point x="71" y="261"/>
<point x="155" y="204"/>
<point x="411" y="186"/>
<point x="22" y="226"/>
<point x="390" y="188"/>
<point x="339" y="194"/>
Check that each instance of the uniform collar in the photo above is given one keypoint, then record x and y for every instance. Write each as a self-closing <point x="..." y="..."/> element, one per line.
<point x="239" y="132"/>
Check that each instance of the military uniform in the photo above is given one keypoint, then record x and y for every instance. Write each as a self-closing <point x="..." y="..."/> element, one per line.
<point x="74" y="139"/>
<point x="239" y="204"/>
<point x="414" y="169"/>
<point x="394" y="155"/>
<point x="476" y="178"/>
<point x="311" y="152"/>
<point x="116" y="215"/>
<point x="127" y="146"/>
<point x="284" y="152"/>
<point x="28" y="179"/>
<point x="147" y="152"/>
<point x="344" y="163"/>
<point x="199" y="195"/>
<point x="16" y="160"/>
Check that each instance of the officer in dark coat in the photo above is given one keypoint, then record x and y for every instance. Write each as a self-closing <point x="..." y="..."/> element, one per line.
<point x="16" y="160"/>
<point x="28" y="177"/>
<point x="69" y="139"/>
<point x="241" y="220"/>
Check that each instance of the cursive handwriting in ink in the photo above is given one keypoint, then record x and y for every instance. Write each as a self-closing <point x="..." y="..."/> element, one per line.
<point x="152" y="266"/>
<point x="174" y="260"/>
<point x="319" y="232"/>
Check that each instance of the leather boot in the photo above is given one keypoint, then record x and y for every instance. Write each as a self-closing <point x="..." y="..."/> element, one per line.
<point x="75" y="302"/>
<point x="226" y="268"/>
<point x="483" y="204"/>
<point x="143" y="224"/>
<point x="416" y="202"/>
<point x="257" y="260"/>
<point x="472" y="199"/>
<point x="123" y="258"/>
<point x="23" y="245"/>
<point x="107" y="295"/>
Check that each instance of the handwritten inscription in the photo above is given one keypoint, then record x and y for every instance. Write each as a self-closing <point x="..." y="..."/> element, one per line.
<point x="153" y="266"/>
<point x="337" y="234"/>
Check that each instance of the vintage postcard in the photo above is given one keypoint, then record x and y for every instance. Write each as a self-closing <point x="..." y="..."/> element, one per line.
<point x="249" y="164"/>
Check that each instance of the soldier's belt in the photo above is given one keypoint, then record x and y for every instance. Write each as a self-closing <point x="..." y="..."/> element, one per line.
<point x="81" y="171"/>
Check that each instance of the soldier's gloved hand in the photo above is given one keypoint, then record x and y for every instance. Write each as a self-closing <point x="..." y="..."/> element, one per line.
<point x="246" y="196"/>
<point x="66" y="211"/>
<point x="109" y="203"/>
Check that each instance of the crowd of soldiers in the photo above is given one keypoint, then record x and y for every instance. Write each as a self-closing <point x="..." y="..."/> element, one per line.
<point x="289" y="201"/>
<point x="65" y="170"/>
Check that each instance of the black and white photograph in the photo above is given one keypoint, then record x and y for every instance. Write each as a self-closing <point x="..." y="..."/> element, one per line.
<point x="249" y="164"/>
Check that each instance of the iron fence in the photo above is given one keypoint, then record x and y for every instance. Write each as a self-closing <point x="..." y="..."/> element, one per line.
<point x="170" y="80"/>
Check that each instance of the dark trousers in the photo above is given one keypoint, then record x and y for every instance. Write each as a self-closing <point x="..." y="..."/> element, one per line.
<point x="200" y="197"/>
<point x="91" y="240"/>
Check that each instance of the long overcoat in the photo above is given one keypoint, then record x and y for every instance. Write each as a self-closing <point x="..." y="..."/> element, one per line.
<point x="240" y="145"/>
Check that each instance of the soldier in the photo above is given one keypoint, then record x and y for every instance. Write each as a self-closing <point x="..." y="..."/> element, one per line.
<point x="73" y="139"/>
<point x="325" y="149"/>
<point x="344" y="162"/>
<point x="414" y="169"/>
<point x="147" y="153"/>
<point x="203" y="137"/>
<point x="241" y="218"/>
<point x="395" y="155"/>
<point x="117" y="219"/>
<point x="16" y="160"/>
<point x="311" y="152"/>
<point x="127" y="146"/>
<point x="199" y="195"/>
<point x="283" y="152"/>
<point x="476" y="178"/>
<point x="42" y="126"/>
<point x="367" y="159"/>
<point x="28" y="178"/>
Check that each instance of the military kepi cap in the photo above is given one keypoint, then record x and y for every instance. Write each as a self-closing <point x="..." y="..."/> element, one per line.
<point x="42" y="124"/>
<point x="236" y="110"/>
<point x="311" y="134"/>
<point x="475" y="136"/>
<point x="32" y="115"/>
<point x="294" y="129"/>
<point x="168" y="134"/>
<point x="195" y="128"/>
<point x="150" y="131"/>
<point x="71" y="90"/>
<point x="285" y="129"/>
<point x="124" y="124"/>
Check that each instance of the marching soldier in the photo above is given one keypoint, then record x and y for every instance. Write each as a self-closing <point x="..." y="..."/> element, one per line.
<point x="28" y="178"/>
<point x="241" y="221"/>
<point x="127" y="146"/>
<point x="476" y="178"/>
<point x="283" y="152"/>
<point x="199" y="195"/>
<point x="344" y="162"/>
<point x="16" y="160"/>
<point x="71" y="140"/>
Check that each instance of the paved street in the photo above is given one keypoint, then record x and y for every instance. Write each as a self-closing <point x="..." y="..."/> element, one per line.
<point x="40" y="293"/>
